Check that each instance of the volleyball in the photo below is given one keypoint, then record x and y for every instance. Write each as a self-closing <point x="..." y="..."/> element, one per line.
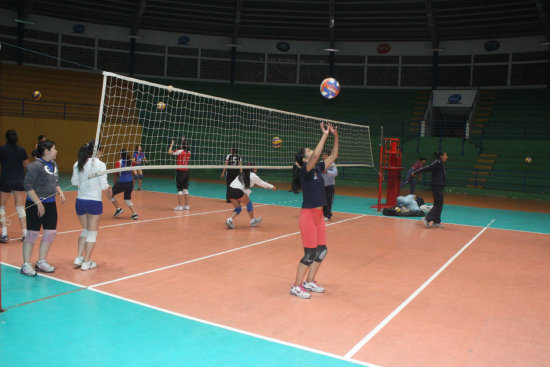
<point x="36" y="95"/>
<point x="277" y="142"/>
<point x="161" y="106"/>
<point x="528" y="160"/>
<point x="330" y="88"/>
<point x="170" y="88"/>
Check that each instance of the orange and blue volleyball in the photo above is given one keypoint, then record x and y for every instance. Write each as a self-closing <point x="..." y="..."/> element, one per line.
<point x="330" y="88"/>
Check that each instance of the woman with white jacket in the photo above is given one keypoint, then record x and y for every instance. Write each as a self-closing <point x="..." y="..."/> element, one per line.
<point x="89" y="205"/>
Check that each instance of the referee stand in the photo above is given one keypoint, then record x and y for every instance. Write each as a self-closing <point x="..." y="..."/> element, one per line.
<point x="390" y="162"/>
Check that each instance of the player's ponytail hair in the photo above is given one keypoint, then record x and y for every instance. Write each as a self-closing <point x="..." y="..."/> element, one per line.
<point x="85" y="152"/>
<point x="184" y="145"/>
<point x="245" y="176"/>
<point x="300" y="156"/>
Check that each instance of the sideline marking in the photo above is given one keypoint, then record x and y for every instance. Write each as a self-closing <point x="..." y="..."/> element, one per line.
<point x="384" y="322"/>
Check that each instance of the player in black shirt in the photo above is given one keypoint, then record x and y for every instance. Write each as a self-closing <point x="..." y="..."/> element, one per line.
<point x="14" y="160"/>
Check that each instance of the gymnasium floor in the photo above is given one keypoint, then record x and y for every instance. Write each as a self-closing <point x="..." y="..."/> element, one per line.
<point x="178" y="288"/>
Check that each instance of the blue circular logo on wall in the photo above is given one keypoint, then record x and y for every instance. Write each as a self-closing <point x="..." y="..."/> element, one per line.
<point x="492" y="45"/>
<point x="454" y="98"/>
<point x="283" y="46"/>
<point x="79" y="28"/>
<point x="184" y="40"/>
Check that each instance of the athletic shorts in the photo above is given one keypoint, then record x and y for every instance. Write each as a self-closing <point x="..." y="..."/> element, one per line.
<point x="312" y="227"/>
<point x="182" y="180"/>
<point x="47" y="221"/>
<point x="126" y="187"/>
<point x="12" y="184"/>
<point x="234" y="193"/>
<point x="92" y="207"/>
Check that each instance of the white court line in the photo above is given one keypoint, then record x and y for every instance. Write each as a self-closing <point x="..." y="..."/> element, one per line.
<point x="212" y="255"/>
<point x="46" y="276"/>
<point x="144" y="221"/>
<point x="384" y="322"/>
<point x="229" y="328"/>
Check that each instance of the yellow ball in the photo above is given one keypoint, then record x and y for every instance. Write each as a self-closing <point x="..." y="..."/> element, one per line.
<point x="36" y="95"/>
<point x="161" y="106"/>
<point x="528" y="160"/>
<point x="277" y="142"/>
<point x="170" y="88"/>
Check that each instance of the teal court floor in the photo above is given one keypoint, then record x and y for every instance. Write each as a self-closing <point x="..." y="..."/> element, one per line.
<point x="50" y="322"/>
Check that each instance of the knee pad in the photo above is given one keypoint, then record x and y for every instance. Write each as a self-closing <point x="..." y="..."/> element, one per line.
<point x="249" y="206"/>
<point x="309" y="256"/>
<point x="180" y="192"/>
<point x="128" y="202"/>
<point x="238" y="210"/>
<point x="84" y="233"/>
<point x="20" y="209"/>
<point x="31" y="236"/>
<point x="185" y="192"/>
<point x="140" y="177"/>
<point x="320" y="253"/>
<point x="49" y="235"/>
<point x="92" y="236"/>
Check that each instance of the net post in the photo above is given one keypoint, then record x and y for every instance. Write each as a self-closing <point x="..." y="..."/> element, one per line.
<point x="100" y="116"/>
<point x="380" y="174"/>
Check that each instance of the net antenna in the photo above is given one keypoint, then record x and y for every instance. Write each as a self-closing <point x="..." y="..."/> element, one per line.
<point x="136" y="112"/>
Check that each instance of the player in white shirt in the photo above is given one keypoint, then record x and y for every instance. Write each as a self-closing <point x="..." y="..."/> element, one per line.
<point x="239" y="193"/>
<point x="89" y="205"/>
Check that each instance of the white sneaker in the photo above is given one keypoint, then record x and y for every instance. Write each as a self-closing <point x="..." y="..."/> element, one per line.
<point x="299" y="292"/>
<point x="313" y="287"/>
<point x="43" y="266"/>
<point x="229" y="223"/>
<point x="87" y="265"/>
<point x="185" y="207"/>
<point x="255" y="221"/>
<point x="439" y="225"/>
<point x="178" y="208"/>
<point x="26" y="269"/>
<point x="78" y="260"/>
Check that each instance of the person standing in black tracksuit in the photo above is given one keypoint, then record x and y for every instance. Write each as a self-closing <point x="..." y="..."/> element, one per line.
<point x="439" y="181"/>
<point x="234" y="160"/>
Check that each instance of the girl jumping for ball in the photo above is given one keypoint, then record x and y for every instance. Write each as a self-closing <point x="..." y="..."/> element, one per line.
<point x="239" y="193"/>
<point x="312" y="224"/>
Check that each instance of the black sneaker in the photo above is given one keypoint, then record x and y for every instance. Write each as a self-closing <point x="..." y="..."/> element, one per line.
<point x="118" y="212"/>
<point x="4" y="238"/>
<point x="134" y="216"/>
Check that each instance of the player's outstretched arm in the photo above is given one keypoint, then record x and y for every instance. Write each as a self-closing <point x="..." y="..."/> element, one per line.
<point x="318" y="149"/>
<point x="334" y="153"/>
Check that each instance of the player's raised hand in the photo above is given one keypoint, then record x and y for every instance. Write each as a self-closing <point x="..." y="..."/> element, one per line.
<point x="323" y="128"/>
<point x="333" y="129"/>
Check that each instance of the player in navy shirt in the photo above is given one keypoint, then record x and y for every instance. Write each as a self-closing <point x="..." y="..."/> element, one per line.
<point x="312" y="222"/>
<point x="125" y="183"/>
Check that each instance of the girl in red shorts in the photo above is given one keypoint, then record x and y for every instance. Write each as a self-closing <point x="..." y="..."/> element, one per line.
<point x="312" y="223"/>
